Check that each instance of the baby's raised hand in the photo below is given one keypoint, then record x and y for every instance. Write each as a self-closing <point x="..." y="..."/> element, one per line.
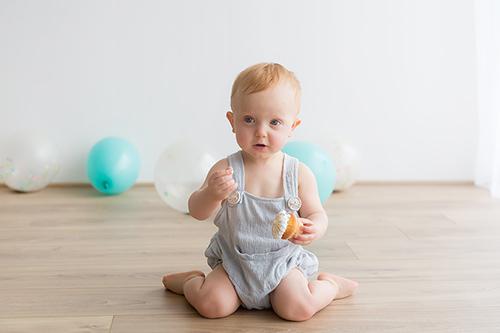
<point x="221" y="183"/>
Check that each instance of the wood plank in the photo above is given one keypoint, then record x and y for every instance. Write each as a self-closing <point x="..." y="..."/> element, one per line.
<point x="56" y="324"/>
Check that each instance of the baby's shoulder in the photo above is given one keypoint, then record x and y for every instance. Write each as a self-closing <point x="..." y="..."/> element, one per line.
<point x="305" y="174"/>
<point x="219" y="165"/>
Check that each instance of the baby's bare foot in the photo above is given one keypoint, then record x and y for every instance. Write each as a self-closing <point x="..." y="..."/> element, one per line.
<point x="346" y="287"/>
<point x="175" y="282"/>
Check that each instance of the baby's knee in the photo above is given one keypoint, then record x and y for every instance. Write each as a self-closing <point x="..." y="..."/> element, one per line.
<point x="296" y="310"/>
<point x="215" y="305"/>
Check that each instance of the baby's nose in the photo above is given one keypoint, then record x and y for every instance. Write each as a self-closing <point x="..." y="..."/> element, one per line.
<point x="260" y="131"/>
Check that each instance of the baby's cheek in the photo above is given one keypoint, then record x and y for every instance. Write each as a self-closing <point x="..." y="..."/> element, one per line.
<point x="280" y="139"/>
<point x="242" y="139"/>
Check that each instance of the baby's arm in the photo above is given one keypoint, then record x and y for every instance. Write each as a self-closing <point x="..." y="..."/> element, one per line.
<point x="312" y="214"/>
<point x="217" y="186"/>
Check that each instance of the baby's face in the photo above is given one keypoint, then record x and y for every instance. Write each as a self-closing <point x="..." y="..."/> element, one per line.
<point x="264" y="121"/>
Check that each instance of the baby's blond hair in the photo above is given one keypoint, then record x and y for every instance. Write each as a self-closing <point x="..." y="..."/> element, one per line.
<point x="261" y="76"/>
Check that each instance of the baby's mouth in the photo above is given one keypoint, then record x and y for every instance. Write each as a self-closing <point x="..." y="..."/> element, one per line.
<point x="260" y="145"/>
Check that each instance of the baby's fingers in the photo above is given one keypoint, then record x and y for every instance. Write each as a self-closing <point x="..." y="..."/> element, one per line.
<point x="225" y="172"/>
<point x="304" y="237"/>
<point x="221" y="182"/>
<point x="301" y="240"/>
<point x="308" y="229"/>
<point x="230" y="187"/>
<point x="217" y="175"/>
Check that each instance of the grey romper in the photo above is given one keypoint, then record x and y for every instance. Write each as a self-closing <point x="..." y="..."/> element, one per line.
<point x="254" y="261"/>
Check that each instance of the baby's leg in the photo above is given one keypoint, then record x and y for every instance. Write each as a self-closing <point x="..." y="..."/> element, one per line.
<point x="297" y="299"/>
<point x="212" y="296"/>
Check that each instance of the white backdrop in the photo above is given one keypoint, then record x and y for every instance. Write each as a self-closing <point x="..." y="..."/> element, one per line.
<point x="394" y="78"/>
<point x="488" y="82"/>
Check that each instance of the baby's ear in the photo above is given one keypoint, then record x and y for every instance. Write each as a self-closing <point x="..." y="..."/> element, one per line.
<point x="230" y="117"/>
<point x="296" y="123"/>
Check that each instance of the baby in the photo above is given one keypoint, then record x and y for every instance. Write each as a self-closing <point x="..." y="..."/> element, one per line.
<point x="248" y="188"/>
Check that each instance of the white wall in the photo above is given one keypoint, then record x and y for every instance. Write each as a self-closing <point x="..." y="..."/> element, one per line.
<point x="395" y="78"/>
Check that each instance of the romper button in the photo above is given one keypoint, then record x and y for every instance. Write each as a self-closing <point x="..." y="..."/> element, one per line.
<point x="294" y="203"/>
<point x="234" y="198"/>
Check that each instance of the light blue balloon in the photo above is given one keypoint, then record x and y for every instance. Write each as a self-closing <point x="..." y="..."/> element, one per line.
<point x="113" y="165"/>
<point x="318" y="161"/>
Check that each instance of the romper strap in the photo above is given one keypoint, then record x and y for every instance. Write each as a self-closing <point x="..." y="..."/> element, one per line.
<point x="235" y="161"/>
<point x="291" y="181"/>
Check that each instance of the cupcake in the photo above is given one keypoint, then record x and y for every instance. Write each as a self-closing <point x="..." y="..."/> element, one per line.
<point x="285" y="225"/>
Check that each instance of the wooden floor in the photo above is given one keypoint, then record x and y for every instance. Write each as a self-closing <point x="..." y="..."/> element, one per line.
<point x="427" y="259"/>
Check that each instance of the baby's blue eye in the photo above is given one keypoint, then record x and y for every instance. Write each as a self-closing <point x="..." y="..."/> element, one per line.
<point x="275" y="122"/>
<point x="248" y="120"/>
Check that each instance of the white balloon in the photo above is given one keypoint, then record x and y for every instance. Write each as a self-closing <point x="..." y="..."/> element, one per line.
<point x="30" y="162"/>
<point x="347" y="165"/>
<point x="180" y="170"/>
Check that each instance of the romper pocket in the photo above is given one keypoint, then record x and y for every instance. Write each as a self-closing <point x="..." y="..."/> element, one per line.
<point x="267" y="256"/>
<point x="262" y="272"/>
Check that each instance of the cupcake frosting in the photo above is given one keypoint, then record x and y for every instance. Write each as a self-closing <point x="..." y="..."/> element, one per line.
<point x="280" y="223"/>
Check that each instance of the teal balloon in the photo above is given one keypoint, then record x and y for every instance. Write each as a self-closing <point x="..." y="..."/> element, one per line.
<point x="113" y="165"/>
<point x="318" y="161"/>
